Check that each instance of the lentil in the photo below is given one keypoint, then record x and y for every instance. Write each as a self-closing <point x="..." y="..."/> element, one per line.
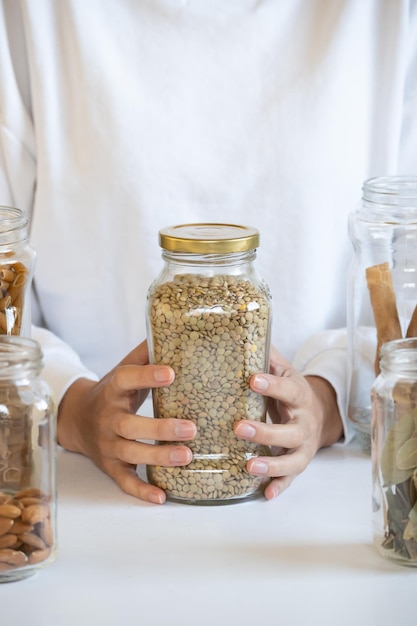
<point x="213" y="332"/>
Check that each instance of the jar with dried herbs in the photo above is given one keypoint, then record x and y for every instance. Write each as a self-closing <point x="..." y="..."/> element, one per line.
<point x="209" y="317"/>
<point x="27" y="461"/>
<point x="17" y="260"/>
<point x="394" y="452"/>
<point x="382" y="285"/>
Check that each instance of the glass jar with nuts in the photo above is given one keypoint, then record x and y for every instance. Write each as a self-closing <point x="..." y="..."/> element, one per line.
<point x="209" y="318"/>
<point x="27" y="462"/>
<point x="17" y="261"/>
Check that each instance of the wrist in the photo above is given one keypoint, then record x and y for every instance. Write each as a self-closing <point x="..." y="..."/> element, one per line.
<point x="331" y="427"/>
<point x="70" y="416"/>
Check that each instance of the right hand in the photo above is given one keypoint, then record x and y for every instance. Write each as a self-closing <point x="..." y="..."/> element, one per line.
<point x="99" y="420"/>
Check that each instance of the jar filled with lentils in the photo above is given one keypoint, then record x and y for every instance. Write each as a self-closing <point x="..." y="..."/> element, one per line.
<point x="209" y="318"/>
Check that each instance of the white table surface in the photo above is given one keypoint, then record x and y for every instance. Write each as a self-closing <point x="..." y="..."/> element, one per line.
<point x="304" y="558"/>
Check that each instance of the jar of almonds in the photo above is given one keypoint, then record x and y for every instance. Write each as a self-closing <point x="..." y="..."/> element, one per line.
<point x="394" y="452"/>
<point x="27" y="461"/>
<point x="17" y="261"/>
<point x="209" y="317"/>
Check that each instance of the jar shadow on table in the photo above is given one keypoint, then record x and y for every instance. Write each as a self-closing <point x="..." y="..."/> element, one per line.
<point x="296" y="558"/>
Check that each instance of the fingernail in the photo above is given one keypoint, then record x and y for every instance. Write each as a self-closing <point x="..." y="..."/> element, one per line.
<point x="246" y="431"/>
<point x="271" y="492"/>
<point x="184" y="430"/>
<point x="260" y="383"/>
<point x="163" y="375"/>
<point x="258" y="467"/>
<point x="179" y="456"/>
<point x="156" y="498"/>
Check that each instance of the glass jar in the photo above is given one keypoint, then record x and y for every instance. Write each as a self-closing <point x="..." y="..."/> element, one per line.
<point x="394" y="452"/>
<point x="27" y="462"/>
<point x="209" y="317"/>
<point x="17" y="260"/>
<point x="382" y="285"/>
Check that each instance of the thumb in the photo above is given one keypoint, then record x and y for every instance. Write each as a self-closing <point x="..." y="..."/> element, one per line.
<point x="279" y="366"/>
<point x="138" y="356"/>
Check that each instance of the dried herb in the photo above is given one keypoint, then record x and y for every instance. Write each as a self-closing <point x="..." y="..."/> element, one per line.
<point x="394" y="465"/>
<point x="399" y="471"/>
<point x="398" y="460"/>
<point x="407" y="455"/>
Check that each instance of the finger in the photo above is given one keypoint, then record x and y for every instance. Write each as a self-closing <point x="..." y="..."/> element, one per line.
<point x="278" y="466"/>
<point x="138" y="356"/>
<point x="289" y="435"/>
<point x="278" y="364"/>
<point x="289" y="388"/>
<point x="128" y="378"/>
<point x="137" y="452"/>
<point x="167" y="429"/>
<point x="126" y="478"/>
<point x="277" y="486"/>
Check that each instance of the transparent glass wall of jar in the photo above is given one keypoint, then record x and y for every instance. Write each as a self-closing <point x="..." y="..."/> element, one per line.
<point x="27" y="462"/>
<point x="17" y="260"/>
<point x="209" y="317"/>
<point x="382" y="285"/>
<point x="394" y="453"/>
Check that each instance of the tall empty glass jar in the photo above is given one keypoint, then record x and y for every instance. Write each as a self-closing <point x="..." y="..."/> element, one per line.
<point x="209" y="317"/>
<point x="27" y="461"/>
<point x="382" y="292"/>
<point x="17" y="261"/>
<point x="394" y="452"/>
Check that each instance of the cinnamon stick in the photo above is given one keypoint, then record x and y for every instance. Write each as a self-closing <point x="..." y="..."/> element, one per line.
<point x="384" y="306"/>
<point x="412" y="326"/>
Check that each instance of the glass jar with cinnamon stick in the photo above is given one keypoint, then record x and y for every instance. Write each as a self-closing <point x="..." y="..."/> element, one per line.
<point x="382" y="286"/>
<point x="394" y="452"/>
<point x="17" y="261"/>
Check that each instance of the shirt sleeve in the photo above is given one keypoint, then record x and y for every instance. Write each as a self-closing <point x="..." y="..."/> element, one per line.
<point x="62" y="366"/>
<point x="325" y="354"/>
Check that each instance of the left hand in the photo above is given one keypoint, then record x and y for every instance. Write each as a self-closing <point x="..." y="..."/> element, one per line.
<point x="304" y="415"/>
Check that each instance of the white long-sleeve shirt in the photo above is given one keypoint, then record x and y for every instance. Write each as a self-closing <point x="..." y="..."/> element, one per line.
<point x="120" y="117"/>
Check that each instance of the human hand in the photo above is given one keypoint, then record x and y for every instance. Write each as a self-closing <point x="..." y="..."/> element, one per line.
<point x="99" y="420"/>
<point x="304" y="415"/>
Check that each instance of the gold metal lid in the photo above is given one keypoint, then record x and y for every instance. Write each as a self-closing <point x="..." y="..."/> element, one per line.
<point x="209" y="238"/>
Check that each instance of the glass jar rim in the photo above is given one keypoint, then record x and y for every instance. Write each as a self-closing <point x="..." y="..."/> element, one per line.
<point x="209" y="238"/>
<point x="11" y="218"/>
<point x="391" y="190"/>
<point x="400" y="351"/>
<point x="20" y="353"/>
<point x="13" y="225"/>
